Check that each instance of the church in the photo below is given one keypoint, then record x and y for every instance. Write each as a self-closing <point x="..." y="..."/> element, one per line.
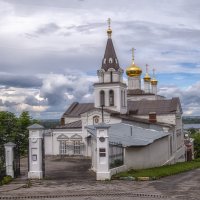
<point x="145" y="129"/>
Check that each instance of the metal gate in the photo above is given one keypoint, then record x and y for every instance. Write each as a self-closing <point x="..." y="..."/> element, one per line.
<point x="43" y="158"/>
<point x="2" y="162"/>
<point x="16" y="161"/>
<point x="116" y="154"/>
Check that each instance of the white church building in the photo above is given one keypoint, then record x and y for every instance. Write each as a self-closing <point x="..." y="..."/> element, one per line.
<point x="144" y="129"/>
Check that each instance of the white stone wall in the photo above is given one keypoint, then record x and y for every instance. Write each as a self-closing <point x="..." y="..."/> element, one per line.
<point x="152" y="155"/>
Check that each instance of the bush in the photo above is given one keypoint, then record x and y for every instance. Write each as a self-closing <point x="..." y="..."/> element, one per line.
<point x="6" y="180"/>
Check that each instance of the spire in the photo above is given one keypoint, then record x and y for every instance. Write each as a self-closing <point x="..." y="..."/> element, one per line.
<point x="110" y="59"/>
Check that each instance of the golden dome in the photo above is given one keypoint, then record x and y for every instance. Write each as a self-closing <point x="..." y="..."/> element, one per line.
<point x="154" y="81"/>
<point x="133" y="71"/>
<point x="147" y="78"/>
<point x="109" y="32"/>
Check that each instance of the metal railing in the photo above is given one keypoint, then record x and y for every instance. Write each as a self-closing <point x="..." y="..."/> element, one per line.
<point x="116" y="155"/>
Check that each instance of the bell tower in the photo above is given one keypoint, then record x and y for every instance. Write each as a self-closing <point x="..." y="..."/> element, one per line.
<point x="110" y="91"/>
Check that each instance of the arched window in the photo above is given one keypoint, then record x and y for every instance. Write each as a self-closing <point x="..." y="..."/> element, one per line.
<point x="102" y="98"/>
<point x="104" y="61"/>
<point x="110" y="60"/>
<point x="111" y="98"/>
<point x="111" y="76"/>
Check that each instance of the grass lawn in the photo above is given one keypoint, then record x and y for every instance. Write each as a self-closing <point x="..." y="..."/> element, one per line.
<point x="158" y="172"/>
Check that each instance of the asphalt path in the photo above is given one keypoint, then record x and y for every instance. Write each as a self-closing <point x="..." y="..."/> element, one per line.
<point x="71" y="179"/>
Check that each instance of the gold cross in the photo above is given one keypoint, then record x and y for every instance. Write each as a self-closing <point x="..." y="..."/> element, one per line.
<point x="109" y="21"/>
<point x="154" y="72"/>
<point x="147" y="68"/>
<point x="133" y="51"/>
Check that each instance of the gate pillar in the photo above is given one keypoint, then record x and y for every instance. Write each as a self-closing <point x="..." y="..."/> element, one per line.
<point x="9" y="154"/>
<point x="35" y="152"/>
<point x="102" y="172"/>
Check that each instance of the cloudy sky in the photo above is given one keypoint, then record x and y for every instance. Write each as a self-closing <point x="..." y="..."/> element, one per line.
<point x="50" y="50"/>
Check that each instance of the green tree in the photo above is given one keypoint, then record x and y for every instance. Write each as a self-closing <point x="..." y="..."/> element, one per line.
<point x="8" y="127"/>
<point x="23" y="122"/>
<point x="196" y="137"/>
<point x="13" y="129"/>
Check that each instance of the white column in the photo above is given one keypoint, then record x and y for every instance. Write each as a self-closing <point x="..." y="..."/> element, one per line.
<point x="102" y="171"/>
<point x="9" y="153"/>
<point x="35" y="151"/>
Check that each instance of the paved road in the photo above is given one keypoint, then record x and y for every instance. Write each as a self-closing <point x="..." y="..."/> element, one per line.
<point x="71" y="179"/>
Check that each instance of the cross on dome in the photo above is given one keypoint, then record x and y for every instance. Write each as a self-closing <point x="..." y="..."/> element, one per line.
<point x="109" y="31"/>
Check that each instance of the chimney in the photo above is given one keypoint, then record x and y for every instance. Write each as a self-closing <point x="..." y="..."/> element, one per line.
<point x="62" y="121"/>
<point x="152" y="117"/>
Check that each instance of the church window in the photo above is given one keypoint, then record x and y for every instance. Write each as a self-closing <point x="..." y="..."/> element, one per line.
<point x="110" y="60"/>
<point x="111" y="98"/>
<point x="116" y="60"/>
<point x="111" y="76"/>
<point x="102" y="98"/>
<point x="64" y="147"/>
<point x="77" y="147"/>
<point x="104" y="61"/>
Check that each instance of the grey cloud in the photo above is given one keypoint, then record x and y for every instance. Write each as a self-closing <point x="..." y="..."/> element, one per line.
<point x="85" y="27"/>
<point x="7" y="103"/>
<point x="32" y="101"/>
<point x="47" y="28"/>
<point x="19" y="81"/>
<point x="190" y="98"/>
<point x="57" y="87"/>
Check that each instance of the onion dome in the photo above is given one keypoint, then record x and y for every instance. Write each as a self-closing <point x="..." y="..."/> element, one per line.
<point x="147" y="78"/>
<point x="133" y="70"/>
<point x="153" y="80"/>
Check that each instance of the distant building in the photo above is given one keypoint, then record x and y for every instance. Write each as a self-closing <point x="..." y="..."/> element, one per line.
<point x="146" y="125"/>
